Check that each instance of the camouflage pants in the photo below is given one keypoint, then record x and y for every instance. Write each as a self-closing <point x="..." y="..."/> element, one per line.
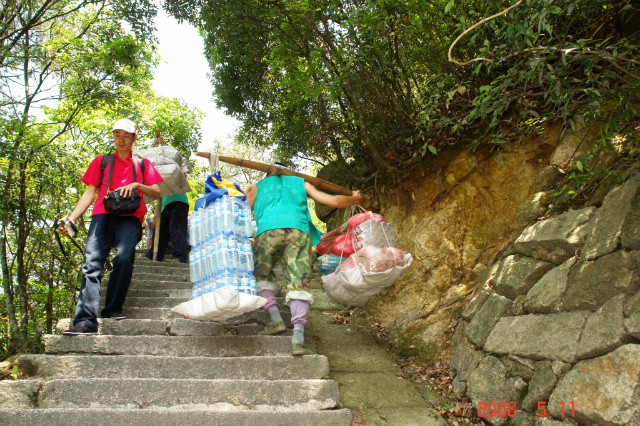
<point x="288" y="247"/>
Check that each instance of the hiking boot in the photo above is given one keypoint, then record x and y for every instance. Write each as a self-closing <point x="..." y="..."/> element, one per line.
<point x="80" y="329"/>
<point x="272" y="329"/>
<point x="298" y="349"/>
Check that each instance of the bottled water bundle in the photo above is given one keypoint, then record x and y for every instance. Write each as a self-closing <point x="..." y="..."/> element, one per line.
<point x="220" y="248"/>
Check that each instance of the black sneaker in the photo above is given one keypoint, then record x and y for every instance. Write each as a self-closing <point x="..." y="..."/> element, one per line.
<point x="115" y="316"/>
<point x="80" y="329"/>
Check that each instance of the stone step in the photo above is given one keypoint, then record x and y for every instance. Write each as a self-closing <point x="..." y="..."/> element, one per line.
<point x="153" y="292"/>
<point x="163" y="266"/>
<point x="161" y="284"/>
<point x="51" y="367"/>
<point x="182" y="346"/>
<point x="151" y="302"/>
<point x="187" y="327"/>
<point x="146" y="266"/>
<point x="178" y="275"/>
<point x="164" y="417"/>
<point x="158" y="368"/>
<point x="304" y="395"/>
<point x="129" y="327"/>
<point x="174" y="327"/>
<point x="150" y="313"/>
<point x="258" y="316"/>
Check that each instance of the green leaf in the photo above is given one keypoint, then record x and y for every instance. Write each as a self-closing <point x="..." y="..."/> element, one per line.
<point x="593" y="93"/>
<point x="449" y="5"/>
<point x="433" y="150"/>
<point x="579" y="165"/>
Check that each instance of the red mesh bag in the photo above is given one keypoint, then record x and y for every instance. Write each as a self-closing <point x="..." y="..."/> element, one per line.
<point x="343" y="246"/>
<point x="337" y="242"/>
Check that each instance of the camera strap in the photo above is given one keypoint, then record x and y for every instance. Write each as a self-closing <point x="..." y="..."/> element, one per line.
<point x="64" y="253"/>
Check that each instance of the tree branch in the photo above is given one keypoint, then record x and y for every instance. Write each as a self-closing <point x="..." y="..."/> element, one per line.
<point x="450" y="57"/>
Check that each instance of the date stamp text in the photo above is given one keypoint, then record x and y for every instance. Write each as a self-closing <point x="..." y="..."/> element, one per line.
<point x="510" y="409"/>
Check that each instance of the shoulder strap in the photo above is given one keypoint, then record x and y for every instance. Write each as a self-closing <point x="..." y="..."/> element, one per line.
<point x="142" y="167"/>
<point x="110" y="158"/>
<point x="103" y="164"/>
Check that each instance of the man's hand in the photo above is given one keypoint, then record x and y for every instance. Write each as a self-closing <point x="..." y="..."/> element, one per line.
<point x="66" y="227"/>
<point x="359" y="198"/>
<point x="128" y="189"/>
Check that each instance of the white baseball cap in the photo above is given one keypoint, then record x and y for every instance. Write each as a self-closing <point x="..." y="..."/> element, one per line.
<point x="125" y="124"/>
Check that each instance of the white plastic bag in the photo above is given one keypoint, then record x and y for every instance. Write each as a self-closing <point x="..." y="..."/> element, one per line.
<point x="373" y="232"/>
<point x="356" y="285"/>
<point x="374" y="259"/>
<point x="219" y="305"/>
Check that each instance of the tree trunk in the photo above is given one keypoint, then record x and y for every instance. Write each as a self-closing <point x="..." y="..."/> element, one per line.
<point x="50" y="289"/>
<point x="14" y="342"/>
<point x="22" y="279"/>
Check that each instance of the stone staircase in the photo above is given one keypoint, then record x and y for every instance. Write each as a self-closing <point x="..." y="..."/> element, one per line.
<point x="157" y="368"/>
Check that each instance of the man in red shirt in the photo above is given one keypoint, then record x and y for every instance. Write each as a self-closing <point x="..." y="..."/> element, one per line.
<point x="121" y="232"/>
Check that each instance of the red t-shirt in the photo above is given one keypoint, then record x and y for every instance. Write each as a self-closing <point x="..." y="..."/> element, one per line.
<point x="122" y="175"/>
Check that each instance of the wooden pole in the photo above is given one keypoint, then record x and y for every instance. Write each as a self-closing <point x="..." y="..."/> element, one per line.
<point x="158" y="210"/>
<point x="156" y="231"/>
<point x="270" y="168"/>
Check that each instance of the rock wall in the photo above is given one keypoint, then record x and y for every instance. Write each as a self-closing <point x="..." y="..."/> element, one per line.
<point x="553" y="324"/>
<point x="553" y="319"/>
<point x="555" y="329"/>
<point x="454" y="214"/>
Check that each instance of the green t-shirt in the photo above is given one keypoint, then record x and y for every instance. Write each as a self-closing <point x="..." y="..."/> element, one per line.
<point x="175" y="197"/>
<point x="281" y="202"/>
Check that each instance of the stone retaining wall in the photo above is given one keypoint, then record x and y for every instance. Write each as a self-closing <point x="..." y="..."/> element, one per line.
<point x="554" y="332"/>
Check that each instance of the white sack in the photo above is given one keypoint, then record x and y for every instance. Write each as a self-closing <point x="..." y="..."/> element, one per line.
<point x="219" y="305"/>
<point x="175" y="181"/>
<point x="173" y="168"/>
<point x="355" y="286"/>
<point x="165" y="154"/>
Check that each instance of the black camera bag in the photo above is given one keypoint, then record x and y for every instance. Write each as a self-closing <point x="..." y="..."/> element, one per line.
<point x="114" y="203"/>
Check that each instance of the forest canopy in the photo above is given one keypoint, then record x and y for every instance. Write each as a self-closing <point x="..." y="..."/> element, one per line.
<point x="381" y="82"/>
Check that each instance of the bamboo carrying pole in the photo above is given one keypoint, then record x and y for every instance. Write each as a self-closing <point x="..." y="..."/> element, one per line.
<point x="158" y="210"/>
<point x="270" y="168"/>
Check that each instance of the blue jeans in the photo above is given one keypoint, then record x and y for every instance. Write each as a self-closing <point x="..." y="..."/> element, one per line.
<point x="105" y="232"/>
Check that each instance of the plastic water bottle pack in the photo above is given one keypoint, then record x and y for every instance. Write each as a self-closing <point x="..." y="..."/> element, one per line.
<point x="221" y="252"/>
